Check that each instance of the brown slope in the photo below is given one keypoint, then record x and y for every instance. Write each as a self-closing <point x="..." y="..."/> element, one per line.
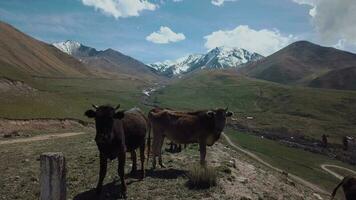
<point x="343" y="79"/>
<point x="22" y="55"/>
<point x="113" y="63"/>
<point x="300" y="63"/>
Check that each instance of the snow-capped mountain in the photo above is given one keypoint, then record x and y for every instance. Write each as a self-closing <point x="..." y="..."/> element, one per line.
<point x="68" y="46"/>
<point x="217" y="58"/>
<point x="109" y="62"/>
<point x="75" y="48"/>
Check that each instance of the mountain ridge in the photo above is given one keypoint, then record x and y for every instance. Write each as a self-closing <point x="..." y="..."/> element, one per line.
<point x="216" y="58"/>
<point x="108" y="62"/>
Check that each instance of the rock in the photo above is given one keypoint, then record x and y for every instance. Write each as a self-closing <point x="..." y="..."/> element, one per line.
<point x="242" y="179"/>
<point x="317" y="196"/>
<point x="245" y="198"/>
<point x="17" y="178"/>
<point x="290" y="182"/>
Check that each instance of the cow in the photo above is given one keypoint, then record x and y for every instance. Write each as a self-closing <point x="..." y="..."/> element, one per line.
<point x="110" y="140"/>
<point x="349" y="186"/>
<point x="136" y="125"/>
<point x="116" y="133"/>
<point x="203" y="127"/>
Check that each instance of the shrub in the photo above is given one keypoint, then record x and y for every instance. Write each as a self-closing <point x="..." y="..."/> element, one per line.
<point x="201" y="177"/>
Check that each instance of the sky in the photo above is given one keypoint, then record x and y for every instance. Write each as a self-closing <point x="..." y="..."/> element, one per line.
<point x="158" y="30"/>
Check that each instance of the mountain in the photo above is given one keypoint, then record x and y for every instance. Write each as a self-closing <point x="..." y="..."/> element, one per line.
<point x="107" y="63"/>
<point x="300" y="63"/>
<point x="23" y="56"/>
<point x="217" y="58"/>
<point x="344" y="79"/>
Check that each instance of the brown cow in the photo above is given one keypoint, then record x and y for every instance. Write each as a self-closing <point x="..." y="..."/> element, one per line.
<point x="116" y="133"/>
<point x="349" y="186"/>
<point x="203" y="127"/>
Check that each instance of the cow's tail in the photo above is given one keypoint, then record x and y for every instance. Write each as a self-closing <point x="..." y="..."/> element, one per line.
<point x="336" y="188"/>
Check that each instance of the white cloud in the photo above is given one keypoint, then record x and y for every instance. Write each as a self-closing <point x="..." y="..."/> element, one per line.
<point x="334" y="21"/>
<point x="312" y="3"/>
<point x="219" y="2"/>
<point x="164" y="36"/>
<point x="177" y="0"/>
<point x="264" y="41"/>
<point x="120" y="8"/>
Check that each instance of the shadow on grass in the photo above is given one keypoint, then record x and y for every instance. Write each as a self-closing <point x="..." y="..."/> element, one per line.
<point x="166" y="173"/>
<point x="110" y="191"/>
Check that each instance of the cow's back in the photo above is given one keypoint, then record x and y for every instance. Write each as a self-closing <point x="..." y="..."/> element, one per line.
<point x="181" y="127"/>
<point x="135" y="127"/>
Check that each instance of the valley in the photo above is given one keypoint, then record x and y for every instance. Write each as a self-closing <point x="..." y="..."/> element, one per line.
<point x="277" y="115"/>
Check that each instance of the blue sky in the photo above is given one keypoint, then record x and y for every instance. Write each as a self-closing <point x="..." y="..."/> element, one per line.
<point x="157" y="30"/>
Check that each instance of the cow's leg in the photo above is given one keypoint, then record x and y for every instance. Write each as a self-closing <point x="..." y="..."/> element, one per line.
<point x="202" y="149"/>
<point x="179" y="148"/>
<point x="160" y="153"/>
<point x="121" y="171"/>
<point x="156" y="147"/>
<point x="102" y="173"/>
<point x="142" y="157"/>
<point x="134" y="162"/>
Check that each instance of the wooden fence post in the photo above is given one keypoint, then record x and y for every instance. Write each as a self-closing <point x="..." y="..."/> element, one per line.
<point x="53" y="176"/>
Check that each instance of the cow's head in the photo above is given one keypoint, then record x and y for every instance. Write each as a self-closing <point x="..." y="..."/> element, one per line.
<point x="218" y="117"/>
<point x="104" y="121"/>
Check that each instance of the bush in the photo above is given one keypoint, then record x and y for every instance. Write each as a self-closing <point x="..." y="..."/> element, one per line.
<point x="201" y="177"/>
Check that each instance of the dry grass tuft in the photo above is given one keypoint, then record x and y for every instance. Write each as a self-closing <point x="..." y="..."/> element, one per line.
<point x="201" y="177"/>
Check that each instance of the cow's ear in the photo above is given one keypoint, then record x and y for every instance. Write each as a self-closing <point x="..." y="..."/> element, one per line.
<point x="119" y="115"/>
<point x="229" y="114"/>
<point x="210" y="113"/>
<point x="90" y="113"/>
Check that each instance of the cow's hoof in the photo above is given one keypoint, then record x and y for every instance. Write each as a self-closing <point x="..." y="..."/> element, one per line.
<point x="162" y="165"/>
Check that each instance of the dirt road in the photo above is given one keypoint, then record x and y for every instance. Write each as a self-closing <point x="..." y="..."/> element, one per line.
<point x="338" y="176"/>
<point x="41" y="137"/>
<point x="291" y="176"/>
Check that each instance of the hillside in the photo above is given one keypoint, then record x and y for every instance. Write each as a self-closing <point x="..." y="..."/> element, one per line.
<point x="300" y="63"/>
<point x="37" y="80"/>
<point x="343" y="79"/>
<point x="276" y="109"/>
<point x="22" y="56"/>
<point x="108" y="63"/>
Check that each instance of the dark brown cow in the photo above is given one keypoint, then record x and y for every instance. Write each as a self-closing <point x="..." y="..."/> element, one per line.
<point x="116" y="133"/>
<point x="203" y="127"/>
<point x="349" y="186"/>
<point x="110" y="140"/>
<point x="135" y="127"/>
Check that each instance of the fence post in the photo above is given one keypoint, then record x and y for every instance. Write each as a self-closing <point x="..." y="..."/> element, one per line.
<point x="53" y="176"/>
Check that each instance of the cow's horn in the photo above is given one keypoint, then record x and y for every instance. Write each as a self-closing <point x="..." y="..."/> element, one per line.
<point x="95" y="106"/>
<point x="117" y="107"/>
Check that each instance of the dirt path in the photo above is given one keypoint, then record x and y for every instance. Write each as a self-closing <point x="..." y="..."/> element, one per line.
<point x="40" y="138"/>
<point x="292" y="176"/>
<point x="338" y="176"/>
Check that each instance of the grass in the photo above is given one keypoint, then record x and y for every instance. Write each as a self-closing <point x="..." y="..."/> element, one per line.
<point x="201" y="177"/>
<point x="275" y="108"/>
<point x="19" y="177"/>
<point x="295" y="161"/>
<point x="70" y="97"/>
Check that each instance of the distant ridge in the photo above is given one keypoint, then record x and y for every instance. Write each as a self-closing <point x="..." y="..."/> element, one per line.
<point x="301" y="63"/>
<point x="109" y="62"/>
